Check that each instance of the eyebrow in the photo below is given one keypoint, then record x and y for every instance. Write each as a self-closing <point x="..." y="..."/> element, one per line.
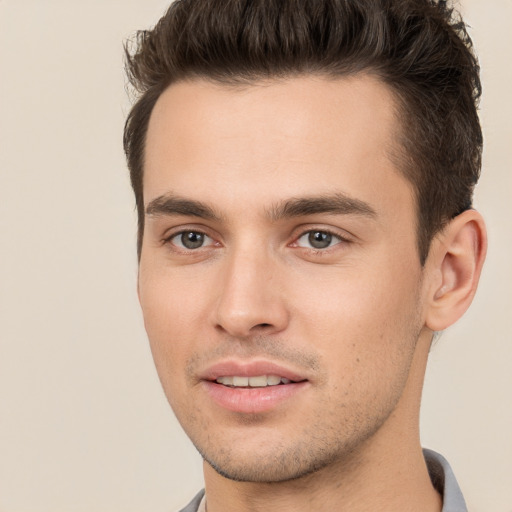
<point x="170" y="204"/>
<point x="336" y="204"/>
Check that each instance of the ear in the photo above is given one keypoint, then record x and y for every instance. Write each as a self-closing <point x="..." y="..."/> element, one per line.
<point x="455" y="263"/>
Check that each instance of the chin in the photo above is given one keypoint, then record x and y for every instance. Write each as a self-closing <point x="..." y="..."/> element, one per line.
<point x="271" y="467"/>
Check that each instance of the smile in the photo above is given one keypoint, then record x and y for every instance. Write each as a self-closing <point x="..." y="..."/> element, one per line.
<point x="255" y="386"/>
<point x="259" y="381"/>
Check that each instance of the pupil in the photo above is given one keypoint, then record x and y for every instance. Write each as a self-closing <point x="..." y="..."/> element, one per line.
<point x="320" y="239"/>
<point x="192" y="240"/>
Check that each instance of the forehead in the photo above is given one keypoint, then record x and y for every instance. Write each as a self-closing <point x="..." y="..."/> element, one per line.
<point x="272" y="140"/>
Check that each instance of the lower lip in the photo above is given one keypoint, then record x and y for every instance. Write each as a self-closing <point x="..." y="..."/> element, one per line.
<point x="252" y="400"/>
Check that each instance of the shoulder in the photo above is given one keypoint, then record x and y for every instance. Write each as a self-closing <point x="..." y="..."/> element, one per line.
<point x="445" y="482"/>
<point x="193" y="506"/>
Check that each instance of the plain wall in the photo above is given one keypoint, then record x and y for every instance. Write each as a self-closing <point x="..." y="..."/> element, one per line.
<point x="84" y="425"/>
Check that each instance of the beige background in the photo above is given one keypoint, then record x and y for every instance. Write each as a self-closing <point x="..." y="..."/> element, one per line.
<point x="84" y="425"/>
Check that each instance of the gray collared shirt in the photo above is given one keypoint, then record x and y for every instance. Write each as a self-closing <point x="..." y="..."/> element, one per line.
<point x="444" y="481"/>
<point x="440" y="473"/>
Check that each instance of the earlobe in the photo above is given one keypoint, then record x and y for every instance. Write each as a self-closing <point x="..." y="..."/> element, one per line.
<point x="457" y="256"/>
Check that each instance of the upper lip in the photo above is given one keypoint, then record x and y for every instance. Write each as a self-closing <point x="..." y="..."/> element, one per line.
<point x="249" y="369"/>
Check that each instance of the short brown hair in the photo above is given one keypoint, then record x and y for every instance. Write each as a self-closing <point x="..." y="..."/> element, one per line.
<point x="420" y="48"/>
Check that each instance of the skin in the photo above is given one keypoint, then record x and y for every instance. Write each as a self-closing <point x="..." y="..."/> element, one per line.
<point x="354" y="318"/>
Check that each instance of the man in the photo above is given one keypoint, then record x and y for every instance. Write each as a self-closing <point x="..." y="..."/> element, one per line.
<point x="303" y="173"/>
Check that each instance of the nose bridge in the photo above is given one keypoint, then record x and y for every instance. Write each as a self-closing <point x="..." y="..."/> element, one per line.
<point x="250" y="297"/>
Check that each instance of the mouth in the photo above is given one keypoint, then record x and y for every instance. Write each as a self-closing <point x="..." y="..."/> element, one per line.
<point x="252" y="387"/>
<point x="258" y="381"/>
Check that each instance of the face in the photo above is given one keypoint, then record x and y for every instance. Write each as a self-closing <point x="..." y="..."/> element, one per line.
<point x="279" y="277"/>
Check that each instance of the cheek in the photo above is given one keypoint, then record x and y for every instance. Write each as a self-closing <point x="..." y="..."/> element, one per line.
<point x="365" y="332"/>
<point x="173" y="315"/>
<point x="171" y="302"/>
<point x="359" y="312"/>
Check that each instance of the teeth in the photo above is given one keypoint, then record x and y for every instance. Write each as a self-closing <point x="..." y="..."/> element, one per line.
<point x="260" y="381"/>
<point x="273" y="380"/>
<point x="241" y="381"/>
<point x="227" y="381"/>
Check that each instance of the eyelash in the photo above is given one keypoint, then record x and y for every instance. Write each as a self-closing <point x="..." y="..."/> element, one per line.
<point x="168" y="240"/>
<point x="341" y="240"/>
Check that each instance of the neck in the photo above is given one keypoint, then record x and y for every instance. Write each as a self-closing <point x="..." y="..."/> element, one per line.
<point x="388" y="473"/>
<point x="399" y="481"/>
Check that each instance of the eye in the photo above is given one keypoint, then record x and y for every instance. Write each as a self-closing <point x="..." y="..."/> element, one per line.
<point x="190" y="240"/>
<point x="317" y="239"/>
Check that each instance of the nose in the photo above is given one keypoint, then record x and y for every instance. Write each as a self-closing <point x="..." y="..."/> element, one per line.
<point x="251" y="300"/>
